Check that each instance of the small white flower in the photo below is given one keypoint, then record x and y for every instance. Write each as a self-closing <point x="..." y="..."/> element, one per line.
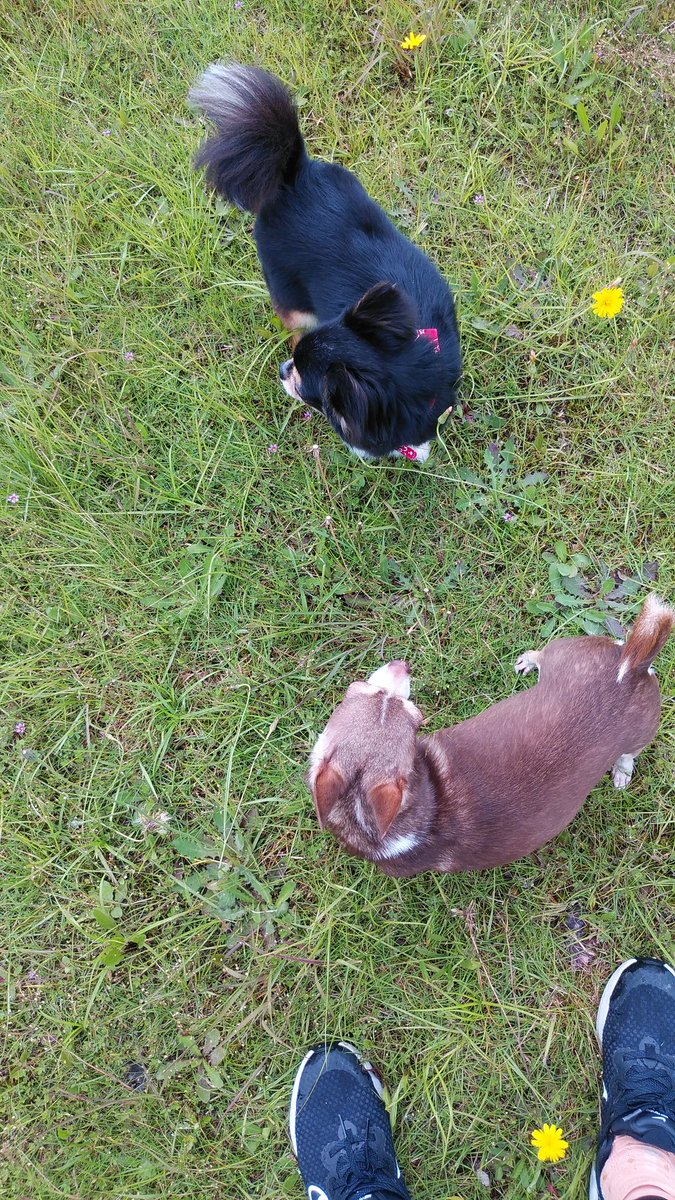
<point x="149" y="822"/>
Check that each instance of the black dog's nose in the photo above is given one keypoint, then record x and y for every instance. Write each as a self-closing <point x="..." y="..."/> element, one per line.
<point x="286" y="368"/>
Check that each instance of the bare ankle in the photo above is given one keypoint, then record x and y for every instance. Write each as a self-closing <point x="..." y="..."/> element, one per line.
<point x="635" y="1170"/>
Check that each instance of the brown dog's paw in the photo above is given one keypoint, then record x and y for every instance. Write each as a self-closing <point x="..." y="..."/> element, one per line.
<point x="527" y="662"/>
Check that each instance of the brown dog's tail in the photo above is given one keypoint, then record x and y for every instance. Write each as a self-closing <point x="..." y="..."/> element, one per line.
<point x="647" y="637"/>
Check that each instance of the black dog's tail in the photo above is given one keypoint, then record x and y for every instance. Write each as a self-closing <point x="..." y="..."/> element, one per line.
<point x="257" y="146"/>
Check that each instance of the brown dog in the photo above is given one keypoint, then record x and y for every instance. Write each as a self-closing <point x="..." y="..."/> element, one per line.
<point x="495" y="787"/>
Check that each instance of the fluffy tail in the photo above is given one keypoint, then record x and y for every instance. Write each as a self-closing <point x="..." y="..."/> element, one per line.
<point x="257" y="145"/>
<point x="647" y="637"/>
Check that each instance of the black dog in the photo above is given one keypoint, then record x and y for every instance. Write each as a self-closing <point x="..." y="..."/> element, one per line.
<point x="381" y="356"/>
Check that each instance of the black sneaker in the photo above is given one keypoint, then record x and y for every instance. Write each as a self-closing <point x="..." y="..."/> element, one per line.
<point x="636" y="1032"/>
<point x="340" y="1129"/>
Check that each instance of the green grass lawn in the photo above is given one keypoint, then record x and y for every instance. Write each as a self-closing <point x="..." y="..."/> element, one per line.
<point x="182" y="607"/>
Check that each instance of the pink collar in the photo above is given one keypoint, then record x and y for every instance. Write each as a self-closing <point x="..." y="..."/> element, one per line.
<point x="432" y="336"/>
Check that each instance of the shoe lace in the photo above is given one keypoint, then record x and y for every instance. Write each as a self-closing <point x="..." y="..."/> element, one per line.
<point x="360" y="1161"/>
<point x="644" y="1079"/>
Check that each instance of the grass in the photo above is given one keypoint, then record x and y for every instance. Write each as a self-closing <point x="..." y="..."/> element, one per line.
<point x="182" y="608"/>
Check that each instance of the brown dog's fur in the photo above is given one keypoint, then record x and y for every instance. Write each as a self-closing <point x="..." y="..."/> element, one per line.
<point x="499" y="785"/>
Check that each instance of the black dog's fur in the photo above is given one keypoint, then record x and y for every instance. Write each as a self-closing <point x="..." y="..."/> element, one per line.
<point x="331" y="254"/>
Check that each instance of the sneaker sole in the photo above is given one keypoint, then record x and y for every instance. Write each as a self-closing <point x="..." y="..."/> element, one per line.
<point x="603" y="1009"/>
<point x="367" y="1066"/>
<point x="608" y="992"/>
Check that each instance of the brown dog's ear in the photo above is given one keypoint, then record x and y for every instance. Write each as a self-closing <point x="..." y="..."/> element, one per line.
<point x="327" y="788"/>
<point x="384" y="316"/>
<point x="385" y="801"/>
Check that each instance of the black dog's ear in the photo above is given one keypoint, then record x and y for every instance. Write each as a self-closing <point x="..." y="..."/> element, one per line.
<point x="384" y="316"/>
<point x="345" y="392"/>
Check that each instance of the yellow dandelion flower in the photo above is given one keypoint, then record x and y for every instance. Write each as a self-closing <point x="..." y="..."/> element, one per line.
<point x="608" y="302"/>
<point x="413" y="41"/>
<point x="550" y="1143"/>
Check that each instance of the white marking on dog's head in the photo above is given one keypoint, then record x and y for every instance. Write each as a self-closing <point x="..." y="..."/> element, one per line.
<point x="316" y="758"/>
<point x="393" y="678"/>
<point x="290" y="379"/>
